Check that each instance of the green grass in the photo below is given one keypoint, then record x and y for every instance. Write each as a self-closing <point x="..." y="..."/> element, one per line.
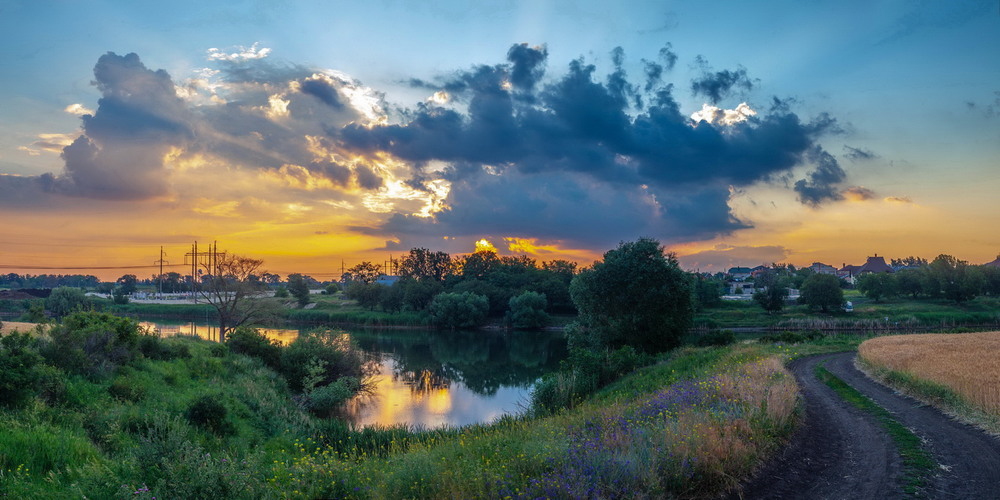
<point x="917" y="461"/>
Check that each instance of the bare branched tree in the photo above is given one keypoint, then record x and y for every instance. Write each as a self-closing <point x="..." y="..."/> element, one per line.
<point x="236" y="291"/>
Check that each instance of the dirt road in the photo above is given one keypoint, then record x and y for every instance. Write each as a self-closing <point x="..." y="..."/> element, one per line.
<point x="842" y="452"/>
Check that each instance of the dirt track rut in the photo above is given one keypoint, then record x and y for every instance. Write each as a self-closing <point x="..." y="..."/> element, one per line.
<point x="842" y="452"/>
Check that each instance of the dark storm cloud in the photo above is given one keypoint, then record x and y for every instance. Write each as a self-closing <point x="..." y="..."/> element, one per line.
<point x="569" y="208"/>
<point x="527" y="65"/>
<point x="322" y="90"/>
<point x="822" y="183"/>
<point x="533" y="166"/>
<point x="718" y="85"/>
<point x="858" y="154"/>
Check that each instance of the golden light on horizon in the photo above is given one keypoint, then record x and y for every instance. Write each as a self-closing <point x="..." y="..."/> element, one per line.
<point x="484" y="245"/>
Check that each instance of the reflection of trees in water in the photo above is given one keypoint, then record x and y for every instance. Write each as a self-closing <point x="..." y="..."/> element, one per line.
<point x="483" y="361"/>
<point x="423" y="381"/>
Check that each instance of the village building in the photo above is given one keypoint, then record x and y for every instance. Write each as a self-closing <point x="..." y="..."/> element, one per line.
<point x="821" y="268"/>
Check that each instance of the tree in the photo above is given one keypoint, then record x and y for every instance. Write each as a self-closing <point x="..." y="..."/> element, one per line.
<point x="908" y="282"/>
<point x="637" y="296"/>
<point x="367" y="294"/>
<point x="234" y="291"/>
<point x="127" y="284"/>
<point x="770" y="295"/>
<point x="823" y="291"/>
<point x="365" y="272"/>
<point x="527" y="311"/>
<point x="458" y="310"/>
<point x="877" y="285"/>
<point x="298" y="288"/>
<point x="422" y="264"/>
<point x="64" y="300"/>
<point x="910" y="261"/>
<point x="956" y="279"/>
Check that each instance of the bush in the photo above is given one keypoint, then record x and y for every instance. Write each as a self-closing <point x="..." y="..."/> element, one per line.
<point x="327" y="398"/>
<point x="92" y="343"/>
<point x="251" y="342"/>
<point x="458" y="310"/>
<point x="65" y="299"/>
<point x="782" y="338"/>
<point x="208" y="413"/>
<point x="154" y="347"/>
<point x="527" y="311"/>
<point x="330" y="349"/>
<point x="282" y="293"/>
<point x="21" y="369"/>
<point x="716" y="338"/>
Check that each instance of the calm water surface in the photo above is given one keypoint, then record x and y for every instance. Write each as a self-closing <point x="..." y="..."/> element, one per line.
<point x="432" y="379"/>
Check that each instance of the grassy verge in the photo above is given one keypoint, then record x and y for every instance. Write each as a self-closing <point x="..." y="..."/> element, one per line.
<point x="917" y="462"/>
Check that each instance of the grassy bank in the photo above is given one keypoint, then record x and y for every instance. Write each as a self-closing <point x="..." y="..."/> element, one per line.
<point x="692" y="424"/>
<point x="897" y="313"/>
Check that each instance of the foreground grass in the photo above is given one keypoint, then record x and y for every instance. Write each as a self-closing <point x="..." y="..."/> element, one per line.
<point x="691" y="425"/>
<point x="954" y="372"/>
<point x="917" y="461"/>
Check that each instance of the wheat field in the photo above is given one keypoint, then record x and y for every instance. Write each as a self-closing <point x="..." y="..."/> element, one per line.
<point x="967" y="363"/>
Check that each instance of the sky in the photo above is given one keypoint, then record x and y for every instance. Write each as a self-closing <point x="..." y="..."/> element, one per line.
<point x="317" y="134"/>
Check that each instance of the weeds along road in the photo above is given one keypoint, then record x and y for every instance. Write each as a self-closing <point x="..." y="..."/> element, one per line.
<point x="843" y="452"/>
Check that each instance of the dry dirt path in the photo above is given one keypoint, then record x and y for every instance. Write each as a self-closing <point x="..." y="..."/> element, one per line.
<point x="841" y="452"/>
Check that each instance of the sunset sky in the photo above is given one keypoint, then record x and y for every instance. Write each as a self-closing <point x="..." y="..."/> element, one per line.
<point x="314" y="133"/>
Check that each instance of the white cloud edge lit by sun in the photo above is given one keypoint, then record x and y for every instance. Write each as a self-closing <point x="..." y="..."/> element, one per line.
<point x="241" y="53"/>
<point x="713" y="114"/>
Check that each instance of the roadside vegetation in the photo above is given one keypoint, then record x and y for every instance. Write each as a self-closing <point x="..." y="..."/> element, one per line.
<point x="955" y="372"/>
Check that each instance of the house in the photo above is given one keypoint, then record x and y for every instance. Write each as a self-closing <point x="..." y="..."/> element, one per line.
<point x="739" y="273"/>
<point x="875" y="264"/>
<point x="848" y="272"/>
<point x="758" y="270"/>
<point x="821" y="268"/>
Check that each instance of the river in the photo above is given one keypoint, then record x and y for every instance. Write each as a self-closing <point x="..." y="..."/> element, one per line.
<point x="429" y="379"/>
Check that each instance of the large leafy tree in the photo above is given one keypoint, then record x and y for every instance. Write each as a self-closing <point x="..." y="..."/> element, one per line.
<point x="423" y="264"/>
<point x="877" y="285"/>
<point x="637" y="296"/>
<point x="299" y="289"/>
<point x="771" y="295"/>
<point x="955" y="279"/>
<point x="822" y="291"/>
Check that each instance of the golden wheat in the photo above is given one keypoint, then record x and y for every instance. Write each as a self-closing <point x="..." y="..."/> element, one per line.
<point x="968" y="363"/>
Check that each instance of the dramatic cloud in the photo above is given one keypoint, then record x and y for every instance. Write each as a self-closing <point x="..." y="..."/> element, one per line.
<point x="138" y="120"/>
<point x="240" y="54"/>
<point x="716" y="86"/>
<point x="572" y="160"/>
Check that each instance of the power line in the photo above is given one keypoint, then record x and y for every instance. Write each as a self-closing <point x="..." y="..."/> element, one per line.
<point x="11" y="266"/>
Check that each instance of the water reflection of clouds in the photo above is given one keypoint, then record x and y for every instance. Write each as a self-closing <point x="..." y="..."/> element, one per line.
<point x="419" y="402"/>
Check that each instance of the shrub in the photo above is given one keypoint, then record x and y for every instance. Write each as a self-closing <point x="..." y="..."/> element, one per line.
<point x="253" y="343"/>
<point x="127" y="390"/>
<point x="282" y="293"/>
<point x="154" y="347"/>
<point x="528" y="311"/>
<point x="783" y="338"/>
<point x="716" y="338"/>
<point x="21" y="368"/>
<point x="458" y="310"/>
<point x="327" y="398"/>
<point x="209" y="414"/>
<point x="329" y="348"/>
<point x="92" y="343"/>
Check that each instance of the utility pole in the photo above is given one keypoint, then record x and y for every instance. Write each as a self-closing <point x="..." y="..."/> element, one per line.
<point x="159" y="292"/>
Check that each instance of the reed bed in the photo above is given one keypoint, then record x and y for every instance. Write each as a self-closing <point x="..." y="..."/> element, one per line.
<point x="967" y="364"/>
